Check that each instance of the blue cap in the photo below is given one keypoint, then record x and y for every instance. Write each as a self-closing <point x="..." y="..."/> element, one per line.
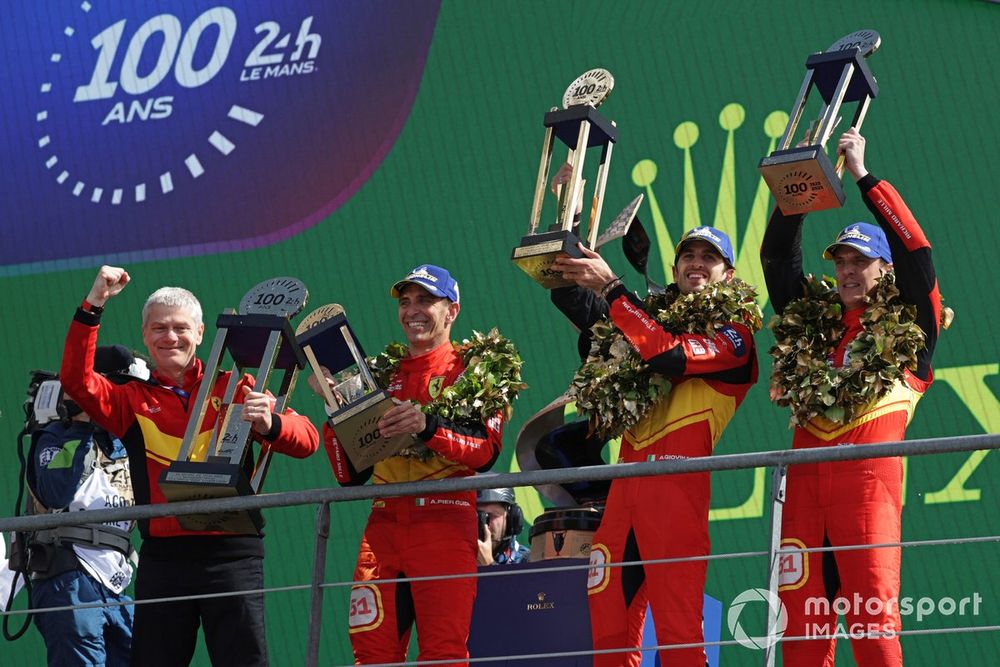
<point x="432" y="278"/>
<point x="712" y="236"/>
<point x="867" y="239"/>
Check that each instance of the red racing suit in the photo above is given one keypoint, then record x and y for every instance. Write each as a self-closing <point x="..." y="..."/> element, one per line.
<point x="709" y="378"/>
<point x="423" y="536"/>
<point x="851" y="502"/>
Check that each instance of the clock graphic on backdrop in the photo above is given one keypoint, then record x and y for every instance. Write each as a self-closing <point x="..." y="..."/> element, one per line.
<point x="149" y="130"/>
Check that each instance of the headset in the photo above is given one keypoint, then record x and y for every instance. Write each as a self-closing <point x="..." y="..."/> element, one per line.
<point x="515" y="517"/>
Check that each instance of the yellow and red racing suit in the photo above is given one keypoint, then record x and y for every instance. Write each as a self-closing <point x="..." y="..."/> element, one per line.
<point x="851" y="502"/>
<point x="661" y="517"/>
<point x="423" y="536"/>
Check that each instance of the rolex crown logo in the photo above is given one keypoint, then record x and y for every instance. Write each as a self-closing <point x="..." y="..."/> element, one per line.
<point x="686" y="135"/>
<point x="541" y="596"/>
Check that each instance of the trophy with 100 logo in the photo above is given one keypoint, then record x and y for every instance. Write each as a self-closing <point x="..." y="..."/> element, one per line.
<point x="258" y="336"/>
<point x="579" y="126"/>
<point x="802" y="179"/>
<point x="356" y="402"/>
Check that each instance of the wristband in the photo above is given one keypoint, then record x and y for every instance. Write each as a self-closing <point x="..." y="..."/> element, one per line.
<point x="610" y="285"/>
<point x="91" y="308"/>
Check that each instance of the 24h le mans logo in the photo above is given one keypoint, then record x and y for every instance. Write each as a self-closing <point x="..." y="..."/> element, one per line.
<point x="144" y="130"/>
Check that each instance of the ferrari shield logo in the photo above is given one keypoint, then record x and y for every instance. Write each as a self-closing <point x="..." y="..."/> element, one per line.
<point x="435" y="385"/>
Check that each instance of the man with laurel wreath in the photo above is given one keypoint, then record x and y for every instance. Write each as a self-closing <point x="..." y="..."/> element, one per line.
<point x="852" y="364"/>
<point x="433" y="382"/>
<point x="667" y="373"/>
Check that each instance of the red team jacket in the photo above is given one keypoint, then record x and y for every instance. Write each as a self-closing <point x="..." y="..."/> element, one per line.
<point x="151" y="418"/>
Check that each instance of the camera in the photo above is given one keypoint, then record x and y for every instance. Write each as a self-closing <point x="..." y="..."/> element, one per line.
<point x="45" y="400"/>
<point x="484" y="519"/>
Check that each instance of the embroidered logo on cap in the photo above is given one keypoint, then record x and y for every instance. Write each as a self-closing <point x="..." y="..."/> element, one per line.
<point x="422" y="273"/>
<point x="854" y="233"/>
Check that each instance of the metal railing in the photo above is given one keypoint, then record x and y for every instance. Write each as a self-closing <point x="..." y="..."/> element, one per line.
<point x="779" y="460"/>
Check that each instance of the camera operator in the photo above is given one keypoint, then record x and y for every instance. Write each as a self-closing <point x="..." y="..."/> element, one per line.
<point x="74" y="466"/>
<point x="500" y="522"/>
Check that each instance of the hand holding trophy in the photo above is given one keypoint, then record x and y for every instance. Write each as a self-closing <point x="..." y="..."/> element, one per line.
<point x="354" y="400"/>
<point x="579" y="126"/>
<point x="802" y="179"/>
<point x="259" y="337"/>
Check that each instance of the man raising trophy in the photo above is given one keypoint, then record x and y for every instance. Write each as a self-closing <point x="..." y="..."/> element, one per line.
<point x="886" y="291"/>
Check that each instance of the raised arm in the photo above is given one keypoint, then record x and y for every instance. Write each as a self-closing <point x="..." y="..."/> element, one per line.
<point x="911" y="260"/>
<point x="781" y="259"/>
<point x="104" y="401"/>
<point x="581" y="307"/>
<point x="911" y="251"/>
<point x="668" y="352"/>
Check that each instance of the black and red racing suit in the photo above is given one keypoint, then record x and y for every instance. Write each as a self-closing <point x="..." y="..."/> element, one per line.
<point x="851" y="502"/>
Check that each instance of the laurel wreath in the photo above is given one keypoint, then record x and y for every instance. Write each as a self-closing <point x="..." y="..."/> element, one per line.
<point x="807" y="334"/>
<point x="616" y="388"/>
<point x="488" y="385"/>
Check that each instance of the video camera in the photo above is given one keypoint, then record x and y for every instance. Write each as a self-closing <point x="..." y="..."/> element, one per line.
<point x="46" y="402"/>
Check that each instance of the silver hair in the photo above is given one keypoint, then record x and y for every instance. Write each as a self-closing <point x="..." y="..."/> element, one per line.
<point x="173" y="297"/>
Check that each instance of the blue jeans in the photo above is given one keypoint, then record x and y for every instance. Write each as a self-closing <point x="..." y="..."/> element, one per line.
<point x="92" y="636"/>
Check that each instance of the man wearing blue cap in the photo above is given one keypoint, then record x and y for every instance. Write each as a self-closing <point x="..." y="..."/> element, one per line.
<point x="709" y="376"/>
<point x="426" y="536"/>
<point x="851" y="502"/>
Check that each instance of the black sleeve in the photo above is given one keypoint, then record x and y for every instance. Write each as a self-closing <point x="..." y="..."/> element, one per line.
<point x="781" y="259"/>
<point x="581" y="307"/>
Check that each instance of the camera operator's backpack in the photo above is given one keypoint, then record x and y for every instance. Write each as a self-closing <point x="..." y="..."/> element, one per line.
<point x="47" y="407"/>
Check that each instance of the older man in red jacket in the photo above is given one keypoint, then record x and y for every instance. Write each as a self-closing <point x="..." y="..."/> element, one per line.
<point x="151" y="418"/>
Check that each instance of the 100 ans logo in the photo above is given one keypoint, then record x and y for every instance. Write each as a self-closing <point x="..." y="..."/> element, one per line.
<point x="268" y="59"/>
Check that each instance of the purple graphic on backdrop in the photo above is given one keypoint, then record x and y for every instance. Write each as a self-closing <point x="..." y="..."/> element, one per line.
<point x="148" y="130"/>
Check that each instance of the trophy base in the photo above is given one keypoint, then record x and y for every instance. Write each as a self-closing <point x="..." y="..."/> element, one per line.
<point x="566" y="532"/>
<point x="537" y="252"/>
<point x="802" y="180"/>
<point x="356" y="428"/>
<point x="196" y="480"/>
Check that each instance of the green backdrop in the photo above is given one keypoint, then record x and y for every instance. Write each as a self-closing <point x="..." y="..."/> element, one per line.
<point x="456" y="190"/>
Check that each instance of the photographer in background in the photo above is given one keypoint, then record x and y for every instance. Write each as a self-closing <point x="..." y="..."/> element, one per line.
<point x="75" y="466"/>
<point x="500" y="522"/>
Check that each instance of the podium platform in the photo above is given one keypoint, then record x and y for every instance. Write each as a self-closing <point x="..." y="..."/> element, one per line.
<point x="546" y="612"/>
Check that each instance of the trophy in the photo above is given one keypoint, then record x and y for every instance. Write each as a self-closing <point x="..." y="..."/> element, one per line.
<point x="579" y="126"/>
<point x="258" y="336"/>
<point x="548" y="441"/>
<point x="802" y="179"/>
<point x="356" y="402"/>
